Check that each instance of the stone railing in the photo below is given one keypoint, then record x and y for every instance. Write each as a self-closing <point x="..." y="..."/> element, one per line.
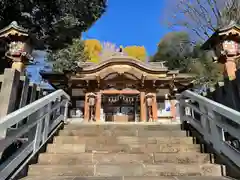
<point x="37" y="122"/>
<point x="226" y="92"/>
<point x="16" y="91"/>
<point x="218" y="124"/>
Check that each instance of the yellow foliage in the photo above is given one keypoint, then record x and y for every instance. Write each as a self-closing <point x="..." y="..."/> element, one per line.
<point x="93" y="48"/>
<point x="139" y="52"/>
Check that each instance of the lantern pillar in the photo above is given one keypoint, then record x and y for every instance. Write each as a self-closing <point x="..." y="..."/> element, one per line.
<point x="230" y="68"/>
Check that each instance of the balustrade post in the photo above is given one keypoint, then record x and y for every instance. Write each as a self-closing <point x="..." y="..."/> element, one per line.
<point x="59" y="109"/>
<point x="38" y="130"/>
<point x="46" y="123"/>
<point x="66" y="111"/>
<point x="32" y="99"/>
<point x="37" y="138"/>
<point x="215" y="135"/>
<point x="192" y="111"/>
<point x="181" y="108"/>
<point x="205" y="121"/>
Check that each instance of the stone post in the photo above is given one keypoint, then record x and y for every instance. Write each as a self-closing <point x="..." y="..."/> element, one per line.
<point x="9" y="90"/>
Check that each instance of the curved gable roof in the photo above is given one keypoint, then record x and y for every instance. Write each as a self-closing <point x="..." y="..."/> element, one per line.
<point x="123" y="60"/>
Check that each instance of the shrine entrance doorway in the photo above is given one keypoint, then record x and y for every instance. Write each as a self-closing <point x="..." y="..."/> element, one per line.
<point x="121" y="106"/>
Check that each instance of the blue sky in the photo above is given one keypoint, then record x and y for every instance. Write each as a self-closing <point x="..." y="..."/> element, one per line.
<point x="126" y="22"/>
<point x="131" y="22"/>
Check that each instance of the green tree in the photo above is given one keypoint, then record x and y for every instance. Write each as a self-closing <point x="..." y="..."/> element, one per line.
<point x="54" y="22"/>
<point x="179" y="53"/>
<point x="175" y="49"/>
<point x="139" y="52"/>
<point x="69" y="57"/>
<point x="93" y="48"/>
<point x="207" y="72"/>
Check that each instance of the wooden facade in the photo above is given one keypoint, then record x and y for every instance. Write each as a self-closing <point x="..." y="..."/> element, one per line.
<point x="121" y="88"/>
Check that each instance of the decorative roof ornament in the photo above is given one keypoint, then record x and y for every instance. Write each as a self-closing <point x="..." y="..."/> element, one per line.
<point x="14" y="29"/>
<point x="110" y="49"/>
<point x="232" y="23"/>
<point x="163" y="64"/>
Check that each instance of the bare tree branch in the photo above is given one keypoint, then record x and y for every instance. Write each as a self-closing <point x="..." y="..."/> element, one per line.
<point x="203" y="17"/>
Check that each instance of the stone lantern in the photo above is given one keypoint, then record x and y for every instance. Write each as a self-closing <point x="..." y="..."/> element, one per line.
<point x="149" y="103"/>
<point x="149" y="99"/>
<point x="224" y="44"/>
<point x="19" y="45"/>
<point x="92" y="102"/>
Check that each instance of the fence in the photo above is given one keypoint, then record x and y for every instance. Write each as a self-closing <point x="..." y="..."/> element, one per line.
<point x="227" y="92"/>
<point x="16" y="91"/>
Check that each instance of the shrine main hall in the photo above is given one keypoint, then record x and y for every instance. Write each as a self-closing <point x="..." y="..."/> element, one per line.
<point x="122" y="89"/>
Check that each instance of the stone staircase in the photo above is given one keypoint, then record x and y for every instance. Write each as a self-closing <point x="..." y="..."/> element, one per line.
<point x="123" y="152"/>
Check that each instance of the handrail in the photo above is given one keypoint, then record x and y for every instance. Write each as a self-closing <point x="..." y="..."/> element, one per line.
<point x="43" y="118"/>
<point x="218" y="124"/>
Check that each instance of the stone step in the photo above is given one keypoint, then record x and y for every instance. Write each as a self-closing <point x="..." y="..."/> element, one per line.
<point x="166" y="169"/>
<point x="122" y="140"/>
<point x="93" y="133"/>
<point x="131" y="148"/>
<point x="137" y="126"/>
<point x="125" y="178"/>
<point x="153" y="158"/>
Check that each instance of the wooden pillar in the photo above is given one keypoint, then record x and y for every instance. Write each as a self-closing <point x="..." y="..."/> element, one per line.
<point x="143" y="116"/>
<point x="98" y="107"/>
<point x="135" y="111"/>
<point x="154" y="108"/>
<point x="86" y="108"/>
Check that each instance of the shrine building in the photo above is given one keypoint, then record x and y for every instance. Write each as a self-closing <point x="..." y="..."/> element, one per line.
<point x="122" y="89"/>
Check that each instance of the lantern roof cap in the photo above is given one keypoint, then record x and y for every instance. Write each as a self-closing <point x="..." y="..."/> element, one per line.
<point x="14" y="29"/>
<point x="231" y="29"/>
